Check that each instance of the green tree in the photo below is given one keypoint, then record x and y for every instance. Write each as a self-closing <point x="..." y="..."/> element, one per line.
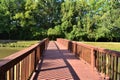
<point x="94" y="20"/>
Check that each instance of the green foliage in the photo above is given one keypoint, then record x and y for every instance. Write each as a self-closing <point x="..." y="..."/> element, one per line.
<point x="55" y="32"/>
<point x="77" y="34"/>
<point x="66" y="26"/>
<point x="38" y="33"/>
<point x="91" y="20"/>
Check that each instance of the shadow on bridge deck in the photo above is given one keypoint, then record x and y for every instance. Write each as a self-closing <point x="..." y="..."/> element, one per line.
<point x="58" y="63"/>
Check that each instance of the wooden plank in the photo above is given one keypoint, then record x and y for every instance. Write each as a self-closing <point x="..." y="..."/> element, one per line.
<point x="60" y="64"/>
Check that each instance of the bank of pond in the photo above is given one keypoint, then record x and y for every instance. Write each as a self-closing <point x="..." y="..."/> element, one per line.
<point x="9" y="47"/>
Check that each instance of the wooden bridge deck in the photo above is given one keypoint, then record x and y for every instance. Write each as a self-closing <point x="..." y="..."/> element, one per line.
<point x="59" y="64"/>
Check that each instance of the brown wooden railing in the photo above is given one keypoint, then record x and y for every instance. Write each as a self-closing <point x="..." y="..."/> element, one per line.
<point x="107" y="62"/>
<point x="22" y="64"/>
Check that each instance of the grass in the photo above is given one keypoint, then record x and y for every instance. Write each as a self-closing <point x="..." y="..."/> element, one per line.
<point x="107" y="45"/>
<point x="7" y="49"/>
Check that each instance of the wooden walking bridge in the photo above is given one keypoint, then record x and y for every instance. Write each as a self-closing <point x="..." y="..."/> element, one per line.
<point x="61" y="60"/>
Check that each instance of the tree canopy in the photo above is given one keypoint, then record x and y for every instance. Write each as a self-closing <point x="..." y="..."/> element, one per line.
<point x="82" y="20"/>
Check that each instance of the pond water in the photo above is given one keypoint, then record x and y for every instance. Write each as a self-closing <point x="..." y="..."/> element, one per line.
<point x="6" y="51"/>
<point x="9" y="48"/>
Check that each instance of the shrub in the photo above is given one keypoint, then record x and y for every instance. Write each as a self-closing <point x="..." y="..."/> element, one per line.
<point x="55" y="32"/>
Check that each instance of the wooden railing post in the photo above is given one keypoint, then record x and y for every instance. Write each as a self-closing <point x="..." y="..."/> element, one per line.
<point x="35" y="63"/>
<point x="93" y="58"/>
<point x="75" y="47"/>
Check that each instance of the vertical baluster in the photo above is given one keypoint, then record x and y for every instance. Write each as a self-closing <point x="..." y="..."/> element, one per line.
<point x="30" y="65"/>
<point x="81" y="51"/>
<point x="75" y="49"/>
<point x="15" y="72"/>
<point x="32" y="61"/>
<point x="118" y="75"/>
<point x="11" y="73"/>
<point x="23" y="69"/>
<point x="38" y="54"/>
<point x="102" y="62"/>
<point x="104" y="58"/>
<point x="85" y="57"/>
<point x="27" y="67"/>
<point x="93" y="57"/>
<point x="40" y="51"/>
<point x="107" y="65"/>
<point x="18" y="71"/>
<point x="35" y="55"/>
<point x="112" y="67"/>
<point x="98" y="61"/>
<point x="115" y="68"/>
<point x="8" y="75"/>
<point x="84" y="51"/>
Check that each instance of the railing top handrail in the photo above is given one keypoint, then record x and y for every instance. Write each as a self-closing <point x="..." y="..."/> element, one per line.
<point x="102" y="50"/>
<point x="85" y="45"/>
<point x="108" y="51"/>
<point x="18" y="56"/>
